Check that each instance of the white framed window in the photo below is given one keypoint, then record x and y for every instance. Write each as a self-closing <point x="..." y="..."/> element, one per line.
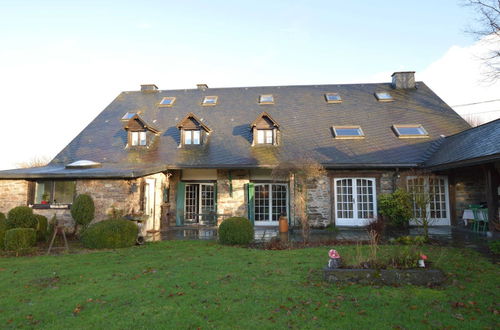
<point x="410" y="131"/>
<point x="199" y="202"/>
<point x="134" y="136"/>
<point x="266" y="99"/>
<point x="138" y="138"/>
<point x="210" y="100"/>
<point x="271" y="200"/>
<point x="192" y="137"/>
<point x="265" y="136"/>
<point x="355" y="201"/>
<point x="432" y="190"/>
<point x="142" y="138"/>
<point x="54" y="192"/>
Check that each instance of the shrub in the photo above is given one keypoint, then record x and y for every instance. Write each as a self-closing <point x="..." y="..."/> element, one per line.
<point x="82" y="210"/>
<point x="495" y="247"/>
<point x="20" y="239"/>
<point x="42" y="227"/>
<point x="236" y="230"/>
<point x="396" y="207"/>
<point x="3" y="228"/>
<point x="21" y="217"/>
<point x="114" y="233"/>
<point x="409" y="240"/>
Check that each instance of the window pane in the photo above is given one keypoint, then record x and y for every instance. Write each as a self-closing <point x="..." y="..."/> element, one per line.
<point x="64" y="192"/>
<point x="42" y="192"/>
<point x="187" y="137"/>
<point x="348" y="131"/>
<point x="135" y="138"/>
<point x="269" y="136"/>
<point x="260" y="136"/>
<point x="142" y="138"/>
<point x="411" y="130"/>
<point x="196" y="137"/>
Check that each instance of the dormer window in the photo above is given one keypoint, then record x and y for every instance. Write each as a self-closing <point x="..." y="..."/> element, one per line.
<point x="192" y="131"/>
<point x="265" y="130"/>
<point x="167" y="101"/>
<point x="210" y="100"/>
<point x="192" y="136"/>
<point x="140" y="134"/>
<point x="266" y="99"/>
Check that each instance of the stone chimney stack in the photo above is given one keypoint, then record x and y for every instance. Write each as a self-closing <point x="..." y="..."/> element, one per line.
<point x="149" y="88"/>
<point x="403" y="80"/>
<point x="202" y="87"/>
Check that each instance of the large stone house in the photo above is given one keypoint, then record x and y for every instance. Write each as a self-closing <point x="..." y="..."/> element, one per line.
<point x="196" y="156"/>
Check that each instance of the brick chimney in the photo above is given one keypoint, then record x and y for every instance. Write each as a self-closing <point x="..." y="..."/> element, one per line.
<point x="403" y="80"/>
<point x="202" y="87"/>
<point x="149" y="88"/>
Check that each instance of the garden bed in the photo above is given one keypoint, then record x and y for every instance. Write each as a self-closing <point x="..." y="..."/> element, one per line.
<point x="425" y="277"/>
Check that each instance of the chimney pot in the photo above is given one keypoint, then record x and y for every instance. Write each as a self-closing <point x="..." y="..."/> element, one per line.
<point x="149" y="88"/>
<point x="403" y="80"/>
<point x="202" y="86"/>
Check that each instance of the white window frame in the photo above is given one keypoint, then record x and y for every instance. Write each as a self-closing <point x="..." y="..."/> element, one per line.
<point x="265" y="136"/>
<point x="433" y="221"/>
<point x="191" y="136"/>
<point x="199" y="197"/>
<point x="142" y="138"/>
<point x="266" y="99"/>
<point x="270" y="221"/>
<point x="355" y="221"/>
<point x="134" y="138"/>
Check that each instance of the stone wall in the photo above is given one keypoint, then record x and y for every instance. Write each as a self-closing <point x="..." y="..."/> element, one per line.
<point x="470" y="188"/>
<point x="235" y="205"/>
<point x="13" y="193"/>
<point x="319" y="202"/>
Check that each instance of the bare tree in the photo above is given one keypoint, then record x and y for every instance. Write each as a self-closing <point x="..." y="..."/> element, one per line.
<point x="302" y="172"/>
<point x="488" y="19"/>
<point x="474" y="119"/>
<point x="36" y="161"/>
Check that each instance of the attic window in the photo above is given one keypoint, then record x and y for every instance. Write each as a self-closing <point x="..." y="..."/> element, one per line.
<point x="192" y="137"/>
<point x="410" y="131"/>
<point x="348" y="132"/>
<point x="167" y="101"/>
<point x="266" y="99"/>
<point x="138" y="138"/>
<point x="128" y="115"/>
<point x="210" y="100"/>
<point x="384" y="97"/>
<point x="333" y="98"/>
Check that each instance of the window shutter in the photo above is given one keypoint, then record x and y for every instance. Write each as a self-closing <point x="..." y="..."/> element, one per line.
<point x="142" y="187"/>
<point x="251" y="204"/>
<point x="31" y="192"/>
<point x="181" y="195"/>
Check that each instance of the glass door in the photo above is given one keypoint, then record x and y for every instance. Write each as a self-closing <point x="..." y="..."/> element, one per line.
<point x="199" y="202"/>
<point x="433" y="190"/>
<point x="355" y="201"/>
<point x="271" y="200"/>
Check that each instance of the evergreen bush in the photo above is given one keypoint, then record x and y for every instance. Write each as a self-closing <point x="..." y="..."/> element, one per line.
<point x="396" y="208"/>
<point x="21" y="217"/>
<point x="113" y="233"/>
<point x="42" y="227"/>
<point x="20" y="240"/>
<point x="236" y="231"/>
<point x="3" y="228"/>
<point x="82" y="210"/>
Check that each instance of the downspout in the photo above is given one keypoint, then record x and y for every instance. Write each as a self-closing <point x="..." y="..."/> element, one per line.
<point x="230" y="177"/>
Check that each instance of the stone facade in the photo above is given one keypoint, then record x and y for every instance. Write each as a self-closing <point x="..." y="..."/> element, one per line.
<point x="232" y="203"/>
<point x="319" y="201"/>
<point x="470" y="188"/>
<point x="13" y="193"/>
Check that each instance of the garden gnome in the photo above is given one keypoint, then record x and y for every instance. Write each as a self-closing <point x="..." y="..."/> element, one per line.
<point x="335" y="260"/>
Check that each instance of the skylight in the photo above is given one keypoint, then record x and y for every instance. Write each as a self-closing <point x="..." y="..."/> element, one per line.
<point x="167" y="101"/>
<point x="410" y="131"/>
<point x="333" y="98"/>
<point x="210" y="100"/>
<point x="128" y="115"/>
<point x="83" y="164"/>
<point x="384" y="96"/>
<point x="266" y="99"/>
<point x="348" y="132"/>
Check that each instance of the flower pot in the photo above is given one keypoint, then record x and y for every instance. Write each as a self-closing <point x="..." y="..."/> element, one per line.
<point x="283" y="224"/>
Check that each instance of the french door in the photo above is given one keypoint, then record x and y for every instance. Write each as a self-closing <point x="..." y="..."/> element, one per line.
<point x="434" y="191"/>
<point x="271" y="200"/>
<point x="199" y="201"/>
<point x="355" y="201"/>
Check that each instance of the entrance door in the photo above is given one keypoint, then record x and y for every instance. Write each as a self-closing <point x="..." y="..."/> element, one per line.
<point x="433" y="190"/>
<point x="199" y="202"/>
<point x="271" y="200"/>
<point x="355" y="201"/>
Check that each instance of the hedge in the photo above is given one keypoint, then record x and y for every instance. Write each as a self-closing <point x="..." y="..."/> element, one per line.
<point x="21" y="217"/>
<point x="82" y="210"/>
<point x="3" y="228"/>
<point x="42" y="227"/>
<point x="236" y="230"/>
<point x="20" y="239"/>
<point x="112" y="233"/>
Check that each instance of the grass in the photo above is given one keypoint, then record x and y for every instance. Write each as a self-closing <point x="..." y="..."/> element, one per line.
<point x="197" y="284"/>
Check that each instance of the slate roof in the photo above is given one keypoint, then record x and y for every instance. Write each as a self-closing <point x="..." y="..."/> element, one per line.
<point x="305" y="120"/>
<point x="473" y="146"/>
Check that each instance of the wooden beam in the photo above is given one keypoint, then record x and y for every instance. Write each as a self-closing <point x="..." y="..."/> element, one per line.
<point x="492" y="181"/>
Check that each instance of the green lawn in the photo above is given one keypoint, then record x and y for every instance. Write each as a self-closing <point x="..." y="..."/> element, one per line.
<point x="196" y="284"/>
